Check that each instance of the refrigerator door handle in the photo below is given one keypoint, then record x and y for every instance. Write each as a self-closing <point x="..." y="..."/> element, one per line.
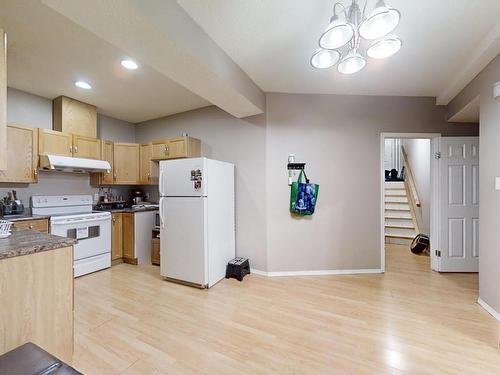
<point x="160" y="206"/>
<point x="161" y="181"/>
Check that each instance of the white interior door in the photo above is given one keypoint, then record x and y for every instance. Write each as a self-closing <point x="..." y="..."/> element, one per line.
<point x="458" y="245"/>
<point x="183" y="239"/>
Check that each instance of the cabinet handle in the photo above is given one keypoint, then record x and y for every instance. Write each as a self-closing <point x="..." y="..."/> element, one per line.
<point x="71" y="149"/>
<point x="76" y="149"/>
<point x="30" y="227"/>
<point x="114" y="220"/>
<point x="35" y="172"/>
<point x="167" y="151"/>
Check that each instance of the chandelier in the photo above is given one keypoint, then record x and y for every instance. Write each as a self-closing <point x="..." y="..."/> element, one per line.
<point x="340" y="42"/>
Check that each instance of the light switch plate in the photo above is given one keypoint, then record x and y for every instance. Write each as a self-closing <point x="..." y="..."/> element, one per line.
<point x="497" y="183"/>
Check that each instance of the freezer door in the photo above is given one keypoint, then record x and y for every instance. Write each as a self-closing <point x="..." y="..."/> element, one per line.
<point x="183" y="177"/>
<point x="183" y="240"/>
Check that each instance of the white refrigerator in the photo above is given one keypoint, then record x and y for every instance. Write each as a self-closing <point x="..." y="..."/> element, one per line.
<point x="197" y="228"/>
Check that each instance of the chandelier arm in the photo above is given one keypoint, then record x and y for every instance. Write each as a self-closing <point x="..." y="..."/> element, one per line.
<point x="344" y="9"/>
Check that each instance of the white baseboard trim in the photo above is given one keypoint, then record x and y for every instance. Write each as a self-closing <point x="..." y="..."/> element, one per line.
<point x="488" y="308"/>
<point x="316" y="273"/>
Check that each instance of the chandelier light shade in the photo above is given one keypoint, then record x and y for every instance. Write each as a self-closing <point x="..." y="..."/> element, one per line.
<point x="383" y="48"/>
<point x="337" y="34"/>
<point x="348" y="28"/>
<point x="352" y="63"/>
<point x="381" y="21"/>
<point x="325" y="58"/>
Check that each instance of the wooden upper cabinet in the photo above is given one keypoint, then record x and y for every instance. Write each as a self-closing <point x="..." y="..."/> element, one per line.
<point x="86" y="147"/>
<point x="107" y="154"/>
<point x="148" y="170"/>
<point x="22" y="155"/>
<point x="3" y="101"/>
<point x="51" y="142"/>
<point x="126" y="163"/>
<point x="75" y="117"/>
<point x="174" y="148"/>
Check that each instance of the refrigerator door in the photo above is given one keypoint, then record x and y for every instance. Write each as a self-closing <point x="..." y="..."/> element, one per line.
<point x="183" y="240"/>
<point x="183" y="178"/>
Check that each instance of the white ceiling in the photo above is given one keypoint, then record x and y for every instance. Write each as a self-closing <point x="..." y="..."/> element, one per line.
<point x="47" y="53"/>
<point x="272" y="41"/>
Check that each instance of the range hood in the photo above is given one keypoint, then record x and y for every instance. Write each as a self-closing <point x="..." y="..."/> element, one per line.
<point x="76" y="165"/>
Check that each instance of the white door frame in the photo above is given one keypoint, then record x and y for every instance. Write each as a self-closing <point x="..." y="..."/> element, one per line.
<point x="434" y="180"/>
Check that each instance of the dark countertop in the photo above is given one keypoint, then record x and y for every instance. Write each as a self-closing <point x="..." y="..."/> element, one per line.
<point x="24" y="242"/>
<point x="130" y="209"/>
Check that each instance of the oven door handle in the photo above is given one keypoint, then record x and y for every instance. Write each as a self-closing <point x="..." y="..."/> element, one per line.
<point x="80" y="221"/>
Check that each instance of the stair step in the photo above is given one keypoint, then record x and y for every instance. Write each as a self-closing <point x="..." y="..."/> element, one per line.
<point x="399" y="199"/>
<point x="393" y="184"/>
<point x="395" y="193"/>
<point x="397" y="207"/>
<point x="396" y="226"/>
<point x="400" y="236"/>
<point x="397" y="214"/>
<point x="405" y="221"/>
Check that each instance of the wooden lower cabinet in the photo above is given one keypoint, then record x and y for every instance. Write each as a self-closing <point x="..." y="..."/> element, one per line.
<point x="36" y="299"/>
<point x="39" y="225"/>
<point x="22" y="155"/>
<point x="155" y="250"/>
<point x="128" y="238"/>
<point x="116" y="236"/>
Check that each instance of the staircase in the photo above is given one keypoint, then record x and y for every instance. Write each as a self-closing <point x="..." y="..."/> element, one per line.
<point x="399" y="221"/>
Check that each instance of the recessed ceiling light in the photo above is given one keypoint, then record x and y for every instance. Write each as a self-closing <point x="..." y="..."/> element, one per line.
<point x="83" y="85"/>
<point x="130" y="64"/>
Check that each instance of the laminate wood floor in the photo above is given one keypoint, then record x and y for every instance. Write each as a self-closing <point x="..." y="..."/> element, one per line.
<point x="408" y="321"/>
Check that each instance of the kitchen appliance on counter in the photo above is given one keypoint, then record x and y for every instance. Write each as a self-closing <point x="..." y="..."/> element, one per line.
<point x="137" y="196"/>
<point x="10" y="205"/>
<point x="72" y="216"/>
<point x="197" y="228"/>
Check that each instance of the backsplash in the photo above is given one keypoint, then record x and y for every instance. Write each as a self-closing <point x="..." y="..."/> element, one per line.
<point x="56" y="183"/>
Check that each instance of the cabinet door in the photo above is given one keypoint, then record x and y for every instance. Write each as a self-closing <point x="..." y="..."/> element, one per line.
<point x="160" y="150"/>
<point x="107" y="154"/>
<point x="128" y="235"/>
<point x="51" y="142"/>
<point x="116" y="236"/>
<point x="126" y="163"/>
<point x="22" y="154"/>
<point x="3" y="101"/>
<point x="39" y="225"/>
<point x="75" y="117"/>
<point x="148" y="167"/>
<point x="85" y="147"/>
<point x="177" y="148"/>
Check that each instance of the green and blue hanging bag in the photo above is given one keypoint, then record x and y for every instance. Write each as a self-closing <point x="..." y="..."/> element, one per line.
<point x="303" y="196"/>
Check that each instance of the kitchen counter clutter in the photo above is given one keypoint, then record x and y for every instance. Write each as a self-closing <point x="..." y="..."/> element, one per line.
<point x="25" y="242"/>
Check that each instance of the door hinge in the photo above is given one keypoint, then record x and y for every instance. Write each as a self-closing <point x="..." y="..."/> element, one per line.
<point x="438" y="253"/>
<point x="437" y="155"/>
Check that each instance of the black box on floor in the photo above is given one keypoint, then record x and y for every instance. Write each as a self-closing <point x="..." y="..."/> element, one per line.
<point x="237" y="268"/>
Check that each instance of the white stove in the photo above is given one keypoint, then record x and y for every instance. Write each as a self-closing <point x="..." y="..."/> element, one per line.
<point x="72" y="216"/>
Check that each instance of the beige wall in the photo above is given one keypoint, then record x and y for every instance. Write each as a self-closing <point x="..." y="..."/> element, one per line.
<point x="419" y="157"/>
<point x="239" y="141"/>
<point x="489" y="168"/>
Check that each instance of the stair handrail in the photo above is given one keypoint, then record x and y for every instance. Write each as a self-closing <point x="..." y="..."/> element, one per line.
<point x="409" y="178"/>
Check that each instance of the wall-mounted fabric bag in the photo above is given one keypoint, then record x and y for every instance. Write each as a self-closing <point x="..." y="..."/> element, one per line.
<point x="303" y="196"/>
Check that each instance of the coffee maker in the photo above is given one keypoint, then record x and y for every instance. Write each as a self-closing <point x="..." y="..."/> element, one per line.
<point x="137" y="196"/>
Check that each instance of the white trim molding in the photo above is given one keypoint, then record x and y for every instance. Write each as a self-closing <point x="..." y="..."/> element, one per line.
<point x="489" y="309"/>
<point x="316" y="273"/>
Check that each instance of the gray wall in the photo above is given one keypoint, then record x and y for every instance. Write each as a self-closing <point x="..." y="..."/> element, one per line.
<point x="419" y="157"/>
<point x="35" y="111"/>
<point x="339" y="139"/>
<point x="239" y="141"/>
<point x="489" y="168"/>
